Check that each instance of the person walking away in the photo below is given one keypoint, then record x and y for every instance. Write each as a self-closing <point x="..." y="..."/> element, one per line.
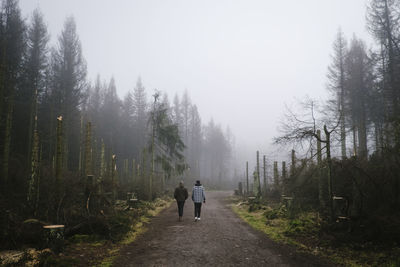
<point x="180" y="194"/>
<point x="198" y="196"/>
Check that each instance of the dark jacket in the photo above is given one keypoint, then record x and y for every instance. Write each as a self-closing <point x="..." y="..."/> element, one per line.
<point x="181" y="193"/>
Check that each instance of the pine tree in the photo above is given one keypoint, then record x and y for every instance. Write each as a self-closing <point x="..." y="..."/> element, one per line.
<point x="383" y="19"/>
<point x="140" y="115"/>
<point x="337" y="79"/>
<point x="12" y="41"/>
<point x="359" y="83"/>
<point x="110" y="114"/>
<point x="185" y="111"/>
<point x="194" y="149"/>
<point x="70" y="85"/>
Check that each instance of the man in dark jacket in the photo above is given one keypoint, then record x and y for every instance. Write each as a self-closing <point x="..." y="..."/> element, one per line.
<point x="181" y="194"/>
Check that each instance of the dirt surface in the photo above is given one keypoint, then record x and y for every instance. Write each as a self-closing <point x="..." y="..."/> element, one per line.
<point x="219" y="239"/>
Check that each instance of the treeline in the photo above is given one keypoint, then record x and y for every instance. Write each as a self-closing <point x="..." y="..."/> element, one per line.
<point x="61" y="135"/>
<point x="361" y="124"/>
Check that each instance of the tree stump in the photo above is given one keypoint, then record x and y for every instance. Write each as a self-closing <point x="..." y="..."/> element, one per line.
<point x="54" y="236"/>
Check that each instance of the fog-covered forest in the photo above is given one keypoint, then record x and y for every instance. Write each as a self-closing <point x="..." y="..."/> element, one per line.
<point x="58" y="124"/>
<point x="82" y="162"/>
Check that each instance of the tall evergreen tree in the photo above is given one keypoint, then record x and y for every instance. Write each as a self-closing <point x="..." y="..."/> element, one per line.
<point x="336" y="78"/>
<point x="35" y="67"/>
<point x="194" y="150"/>
<point x="176" y="112"/>
<point x="12" y="47"/>
<point x="128" y="135"/>
<point x="359" y="84"/>
<point x="70" y="85"/>
<point x="110" y="113"/>
<point x="140" y="115"/>
<point x="185" y="110"/>
<point x="383" y="18"/>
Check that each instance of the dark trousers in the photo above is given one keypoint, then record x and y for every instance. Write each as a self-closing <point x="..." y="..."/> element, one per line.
<point x="197" y="209"/>
<point x="180" y="207"/>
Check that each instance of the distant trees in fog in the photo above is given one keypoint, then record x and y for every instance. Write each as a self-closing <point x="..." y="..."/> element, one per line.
<point x="40" y="83"/>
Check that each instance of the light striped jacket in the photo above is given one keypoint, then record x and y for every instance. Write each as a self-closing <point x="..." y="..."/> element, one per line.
<point x="198" y="194"/>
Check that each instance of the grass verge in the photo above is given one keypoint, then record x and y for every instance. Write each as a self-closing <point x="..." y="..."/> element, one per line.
<point x="137" y="229"/>
<point x="304" y="231"/>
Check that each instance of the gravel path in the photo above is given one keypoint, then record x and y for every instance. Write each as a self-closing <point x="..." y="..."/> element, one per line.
<point x="219" y="239"/>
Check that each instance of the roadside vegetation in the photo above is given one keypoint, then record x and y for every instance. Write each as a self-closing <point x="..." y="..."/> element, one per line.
<point x="93" y="248"/>
<point x="310" y="234"/>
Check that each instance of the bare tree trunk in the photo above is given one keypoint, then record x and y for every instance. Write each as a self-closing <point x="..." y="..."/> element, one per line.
<point x="144" y="168"/>
<point x="329" y="161"/>
<point x="33" y="181"/>
<point x="362" y="137"/>
<point x="276" y="175"/>
<point x="319" y="149"/>
<point x="126" y="170"/>
<point x="7" y="137"/>
<point x="378" y="145"/>
<point x="293" y="166"/>
<point x="33" y="153"/>
<point x="3" y="178"/>
<point x="265" y="175"/>
<point x="37" y="193"/>
<point x="80" y="147"/>
<point x="88" y="150"/>
<point x="113" y="178"/>
<point x="255" y="183"/>
<point x="321" y="195"/>
<point x="343" y="133"/>
<point x="258" y="175"/>
<point x="355" y="150"/>
<point x="133" y="173"/>
<point x="247" y="177"/>
<point x="102" y="167"/>
<point x="59" y="153"/>
<point x="284" y="179"/>
<point x="32" y="123"/>
<point x="152" y="166"/>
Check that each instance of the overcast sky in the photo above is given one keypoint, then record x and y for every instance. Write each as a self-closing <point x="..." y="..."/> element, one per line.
<point x="240" y="60"/>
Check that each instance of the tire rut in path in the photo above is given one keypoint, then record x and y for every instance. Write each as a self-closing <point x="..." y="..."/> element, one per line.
<point x="219" y="239"/>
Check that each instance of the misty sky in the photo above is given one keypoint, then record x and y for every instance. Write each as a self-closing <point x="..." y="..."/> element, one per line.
<point x="240" y="61"/>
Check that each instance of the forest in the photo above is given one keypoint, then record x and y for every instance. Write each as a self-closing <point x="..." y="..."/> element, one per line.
<point x="344" y="153"/>
<point x="67" y="141"/>
<point x="359" y="123"/>
<point x="76" y="159"/>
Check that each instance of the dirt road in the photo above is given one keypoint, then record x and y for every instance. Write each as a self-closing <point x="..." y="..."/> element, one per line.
<point x="219" y="239"/>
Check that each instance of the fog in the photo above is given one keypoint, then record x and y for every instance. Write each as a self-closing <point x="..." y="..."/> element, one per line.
<point x="278" y="122"/>
<point x="240" y="61"/>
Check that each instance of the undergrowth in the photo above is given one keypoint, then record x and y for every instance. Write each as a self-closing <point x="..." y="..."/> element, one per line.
<point x="93" y="248"/>
<point x="306" y="231"/>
